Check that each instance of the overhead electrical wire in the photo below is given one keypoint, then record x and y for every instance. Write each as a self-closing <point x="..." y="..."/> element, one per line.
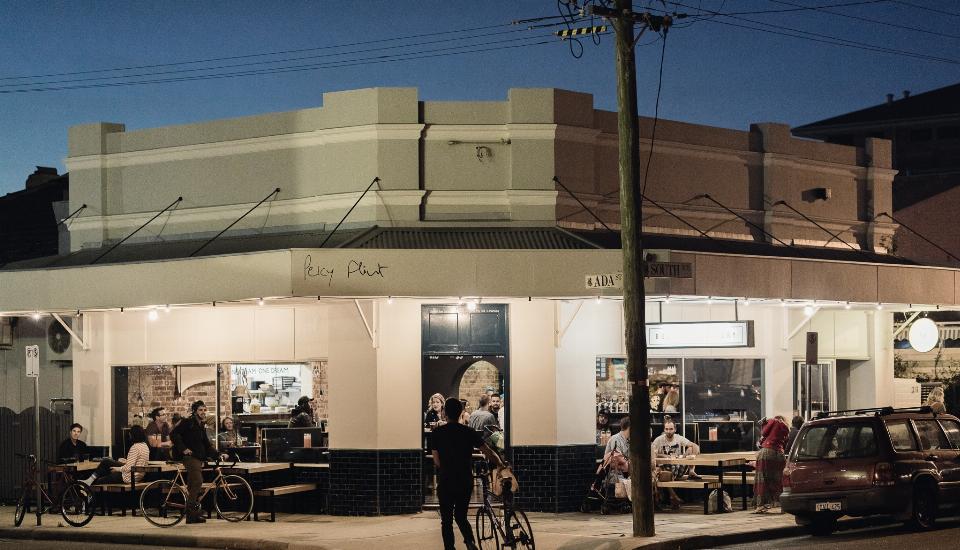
<point x="825" y="38"/>
<point x="919" y="7"/>
<point x="874" y="21"/>
<point x="656" y="113"/>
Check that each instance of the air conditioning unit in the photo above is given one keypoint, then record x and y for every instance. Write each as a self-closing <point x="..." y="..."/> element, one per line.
<point x="6" y="333"/>
<point x="58" y="342"/>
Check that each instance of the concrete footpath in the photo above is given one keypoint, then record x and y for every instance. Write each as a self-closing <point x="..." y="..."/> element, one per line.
<point x="574" y="531"/>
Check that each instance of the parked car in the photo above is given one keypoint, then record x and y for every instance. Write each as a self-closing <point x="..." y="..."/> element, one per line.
<point x="899" y="462"/>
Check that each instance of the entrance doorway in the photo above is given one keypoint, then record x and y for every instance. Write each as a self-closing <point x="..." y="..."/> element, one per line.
<point x="814" y="388"/>
<point x="464" y="355"/>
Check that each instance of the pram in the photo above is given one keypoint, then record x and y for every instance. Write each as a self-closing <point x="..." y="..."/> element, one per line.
<point x="602" y="494"/>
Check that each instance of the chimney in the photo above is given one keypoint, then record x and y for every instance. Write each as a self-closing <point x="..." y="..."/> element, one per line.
<point x="906" y="94"/>
<point x="41" y="175"/>
<point x="889" y="98"/>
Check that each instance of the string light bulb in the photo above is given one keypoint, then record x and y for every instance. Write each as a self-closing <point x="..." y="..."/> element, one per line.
<point x="152" y="315"/>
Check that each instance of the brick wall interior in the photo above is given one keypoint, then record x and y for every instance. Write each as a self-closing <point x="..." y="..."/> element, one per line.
<point x="477" y="380"/>
<point x="320" y="387"/>
<point x="158" y="384"/>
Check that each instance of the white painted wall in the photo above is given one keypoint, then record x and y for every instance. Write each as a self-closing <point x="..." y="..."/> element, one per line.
<point x="353" y="380"/>
<point x="534" y="382"/>
<point x="398" y="375"/>
<point x="92" y="380"/>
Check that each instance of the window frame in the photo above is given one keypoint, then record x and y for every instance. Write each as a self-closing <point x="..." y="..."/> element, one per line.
<point x="956" y="446"/>
<point x="936" y="423"/>
<point x="911" y="429"/>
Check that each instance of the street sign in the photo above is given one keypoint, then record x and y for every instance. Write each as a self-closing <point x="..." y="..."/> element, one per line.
<point x="33" y="361"/>
<point x="668" y="270"/>
<point x="604" y="280"/>
<point x="812" y="341"/>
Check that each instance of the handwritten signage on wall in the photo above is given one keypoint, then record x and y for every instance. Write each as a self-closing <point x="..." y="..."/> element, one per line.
<point x="352" y="269"/>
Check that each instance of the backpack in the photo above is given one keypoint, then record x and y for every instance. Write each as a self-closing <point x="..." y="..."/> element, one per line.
<point x="712" y="502"/>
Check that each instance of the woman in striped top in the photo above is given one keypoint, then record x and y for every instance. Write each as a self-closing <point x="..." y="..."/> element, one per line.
<point x="138" y="455"/>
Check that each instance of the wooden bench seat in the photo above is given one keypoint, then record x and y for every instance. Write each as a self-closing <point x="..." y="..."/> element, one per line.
<point x="732" y="479"/>
<point x="273" y="492"/>
<point x="705" y="485"/>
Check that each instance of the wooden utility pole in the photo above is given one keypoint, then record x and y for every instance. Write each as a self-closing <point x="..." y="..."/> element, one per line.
<point x="631" y="221"/>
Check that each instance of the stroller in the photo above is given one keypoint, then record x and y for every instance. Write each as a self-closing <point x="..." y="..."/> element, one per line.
<point x="602" y="493"/>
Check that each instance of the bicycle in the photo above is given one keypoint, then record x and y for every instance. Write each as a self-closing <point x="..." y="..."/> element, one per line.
<point x="164" y="501"/>
<point x="513" y="529"/>
<point x="76" y="502"/>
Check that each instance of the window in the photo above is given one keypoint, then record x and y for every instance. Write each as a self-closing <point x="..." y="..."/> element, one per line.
<point x="952" y="428"/>
<point x="901" y="436"/>
<point x="839" y="441"/>
<point x="931" y="436"/>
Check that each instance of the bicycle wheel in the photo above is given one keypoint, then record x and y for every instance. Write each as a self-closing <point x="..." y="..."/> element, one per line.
<point x="76" y="504"/>
<point x="521" y="531"/>
<point x="22" y="502"/>
<point x="163" y="503"/>
<point x="233" y="498"/>
<point x="488" y="532"/>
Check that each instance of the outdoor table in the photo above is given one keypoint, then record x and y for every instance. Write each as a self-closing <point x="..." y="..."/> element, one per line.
<point x="84" y="466"/>
<point x="718" y="460"/>
<point x="252" y="468"/>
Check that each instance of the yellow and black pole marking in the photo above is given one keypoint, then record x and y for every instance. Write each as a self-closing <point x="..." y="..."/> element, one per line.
<point x="582" y="31"/>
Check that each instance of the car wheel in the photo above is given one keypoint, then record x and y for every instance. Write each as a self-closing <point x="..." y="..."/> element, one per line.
<point x="802" y="520"/>
<point x="822" y="525"/>
<point x="924" y="510"/>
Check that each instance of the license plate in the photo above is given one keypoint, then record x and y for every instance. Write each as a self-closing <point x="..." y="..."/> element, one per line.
<point x="828" y="506"/>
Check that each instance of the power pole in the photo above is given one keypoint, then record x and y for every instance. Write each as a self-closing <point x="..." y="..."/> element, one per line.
<point x="631" y="221"/>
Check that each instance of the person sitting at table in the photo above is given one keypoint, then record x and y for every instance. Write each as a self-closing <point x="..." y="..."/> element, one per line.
<point x="434" y="415"/>
<point x="302" y="415"/>
<point x="138" y="455"/>
<point x="229" y="436"/>
<point x="158" y="434"/>
<point x="671" y="444"/>
<point x="73" y="449"/>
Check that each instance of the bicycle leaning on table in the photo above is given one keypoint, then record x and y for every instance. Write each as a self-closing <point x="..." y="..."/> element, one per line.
<point x="164" y="501"/>
<point x="504" y="527"/>
<point x="76" y="501"/>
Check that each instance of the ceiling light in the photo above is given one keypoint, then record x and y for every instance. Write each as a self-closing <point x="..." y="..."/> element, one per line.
<point x="152" y="315"/>
<point x="166" y="308"/>
<point x="808" y="310"/>
<point x="879" y="306"/>
<point x="847" y="306"/>
<point x="389" y="299"/>
<point x="472" y="305"/>
<point x="260" y="302"/>
<point x="36" y="316"/>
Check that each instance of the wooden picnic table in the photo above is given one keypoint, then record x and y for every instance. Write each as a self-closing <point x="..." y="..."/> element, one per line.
<point x="721" y="461"/>
<point x="84" y="466"/>
<point x="252" y="468"/>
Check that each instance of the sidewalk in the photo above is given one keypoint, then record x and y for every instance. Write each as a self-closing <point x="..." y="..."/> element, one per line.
<point x="572" y="531"/>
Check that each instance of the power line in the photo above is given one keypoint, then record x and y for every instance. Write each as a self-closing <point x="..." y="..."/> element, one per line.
<point x="934" y="10"/>
<point x="427" y="54"/>
<point x="787" y="10"/>
<point x="250" y="56"/>
<point x="284" y="60"/>
<point x="818" y="37"/>
<point x="656" y="113"/>
<point x="874" y="21"/>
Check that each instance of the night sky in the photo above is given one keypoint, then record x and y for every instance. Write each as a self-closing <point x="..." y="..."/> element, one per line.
<point x="714" y="73"/>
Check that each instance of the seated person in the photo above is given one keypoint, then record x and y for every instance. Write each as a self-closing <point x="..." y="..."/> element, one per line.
<point x="138" y="455"/>
<point x="434" y="416"/>
<point x="158" y="434"/>
<point x="616" y="457"/>
<point x="73" y="449"/>
<point x="671" y="444"/>
<point x="302" y="415"/>
<point x="229" y="436"/>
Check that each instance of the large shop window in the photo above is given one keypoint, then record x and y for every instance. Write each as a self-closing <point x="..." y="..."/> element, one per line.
<point x="715" y="402"/>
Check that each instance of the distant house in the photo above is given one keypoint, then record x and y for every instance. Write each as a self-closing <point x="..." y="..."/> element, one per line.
<point x="28" y="218"/>
<point x="925" y="132"/>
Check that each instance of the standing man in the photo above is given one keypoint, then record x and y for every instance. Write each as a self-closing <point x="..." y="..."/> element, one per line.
<point x="191" y="442"/>
<point x="453" y="445"/>
<point x="158" y="435"/>
<point x="482" y="418"/>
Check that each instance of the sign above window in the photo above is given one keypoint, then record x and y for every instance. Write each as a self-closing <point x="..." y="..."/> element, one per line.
<point x="709" y="334"/>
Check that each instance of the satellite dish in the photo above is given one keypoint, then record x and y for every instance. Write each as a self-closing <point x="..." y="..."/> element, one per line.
<point x="924" y="335"/>
<point x="57" y="337"/>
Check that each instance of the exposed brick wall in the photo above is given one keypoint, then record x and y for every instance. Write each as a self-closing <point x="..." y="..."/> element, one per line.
<point x="477" y="379"/>
<point x="320" y="388"/>
<point x="158" y="383"/>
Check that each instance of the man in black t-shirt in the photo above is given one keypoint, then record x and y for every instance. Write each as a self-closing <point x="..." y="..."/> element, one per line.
<point x="453" y="445"/>
<point x="73" y="449"/>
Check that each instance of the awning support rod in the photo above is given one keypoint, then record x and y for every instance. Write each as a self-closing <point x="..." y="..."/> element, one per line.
<point x="824" y="229"/>
<point x="561" y="332"/>
<point x="748" y="222"/>
<point x="580" y="202"/>
<point x="123" y="240"/>
<point x="365" y="191"/>
<point x="70" y="331"/>
<point x="905" y="323"/>
<point x="75" y="212"/>
<point x="217" y="236"/>
<point x="915" y="232"/>
<point x="366" y="324"/>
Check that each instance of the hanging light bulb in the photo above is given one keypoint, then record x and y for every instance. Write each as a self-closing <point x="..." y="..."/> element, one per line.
<point x="36" y="315"/>
<point x="166" y="308"/>
<point x="260" y="302"/>
<point x="847" y="306"/>
<point x="746" y="302"/>
<point x="808" y="310"/>
<point x="152" y="315"/>
<point x="879" y="306"/>
<point x="472" y="305"/>
<point x="389" y="299"/>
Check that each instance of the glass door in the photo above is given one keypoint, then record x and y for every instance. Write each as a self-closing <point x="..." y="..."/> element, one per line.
<point x="814" y="388"/>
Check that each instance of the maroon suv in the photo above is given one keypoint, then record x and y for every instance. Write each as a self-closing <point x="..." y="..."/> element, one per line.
<point x="899" y="462"/>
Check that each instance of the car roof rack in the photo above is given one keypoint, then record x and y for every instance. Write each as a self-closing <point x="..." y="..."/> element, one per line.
<point x="875" y="411"/>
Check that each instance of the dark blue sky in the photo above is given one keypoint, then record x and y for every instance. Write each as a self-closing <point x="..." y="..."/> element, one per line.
<point x="714" y="74"/>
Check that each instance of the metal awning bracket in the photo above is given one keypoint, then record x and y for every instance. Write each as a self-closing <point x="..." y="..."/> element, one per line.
<point x="73" y="334"/>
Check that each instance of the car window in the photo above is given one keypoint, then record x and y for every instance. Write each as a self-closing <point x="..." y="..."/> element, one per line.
<point x="931" y="436"/>
<point x="838" y="441"/>
<point x="901" y="436"/>
<point x="952" y="428"/>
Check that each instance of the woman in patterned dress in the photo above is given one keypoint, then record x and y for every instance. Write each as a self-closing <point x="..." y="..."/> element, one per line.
<point x="770" y="463"/>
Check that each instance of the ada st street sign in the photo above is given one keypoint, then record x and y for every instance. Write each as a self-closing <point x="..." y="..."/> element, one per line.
<point x="33" y="361"/>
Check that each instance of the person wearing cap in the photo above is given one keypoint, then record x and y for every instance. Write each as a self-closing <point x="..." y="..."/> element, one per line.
<point x="302" y="415"/>
<point x="190" y="442"/>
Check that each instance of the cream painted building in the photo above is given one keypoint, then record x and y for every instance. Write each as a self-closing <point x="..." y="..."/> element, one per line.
<point x="466" y="249"/>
